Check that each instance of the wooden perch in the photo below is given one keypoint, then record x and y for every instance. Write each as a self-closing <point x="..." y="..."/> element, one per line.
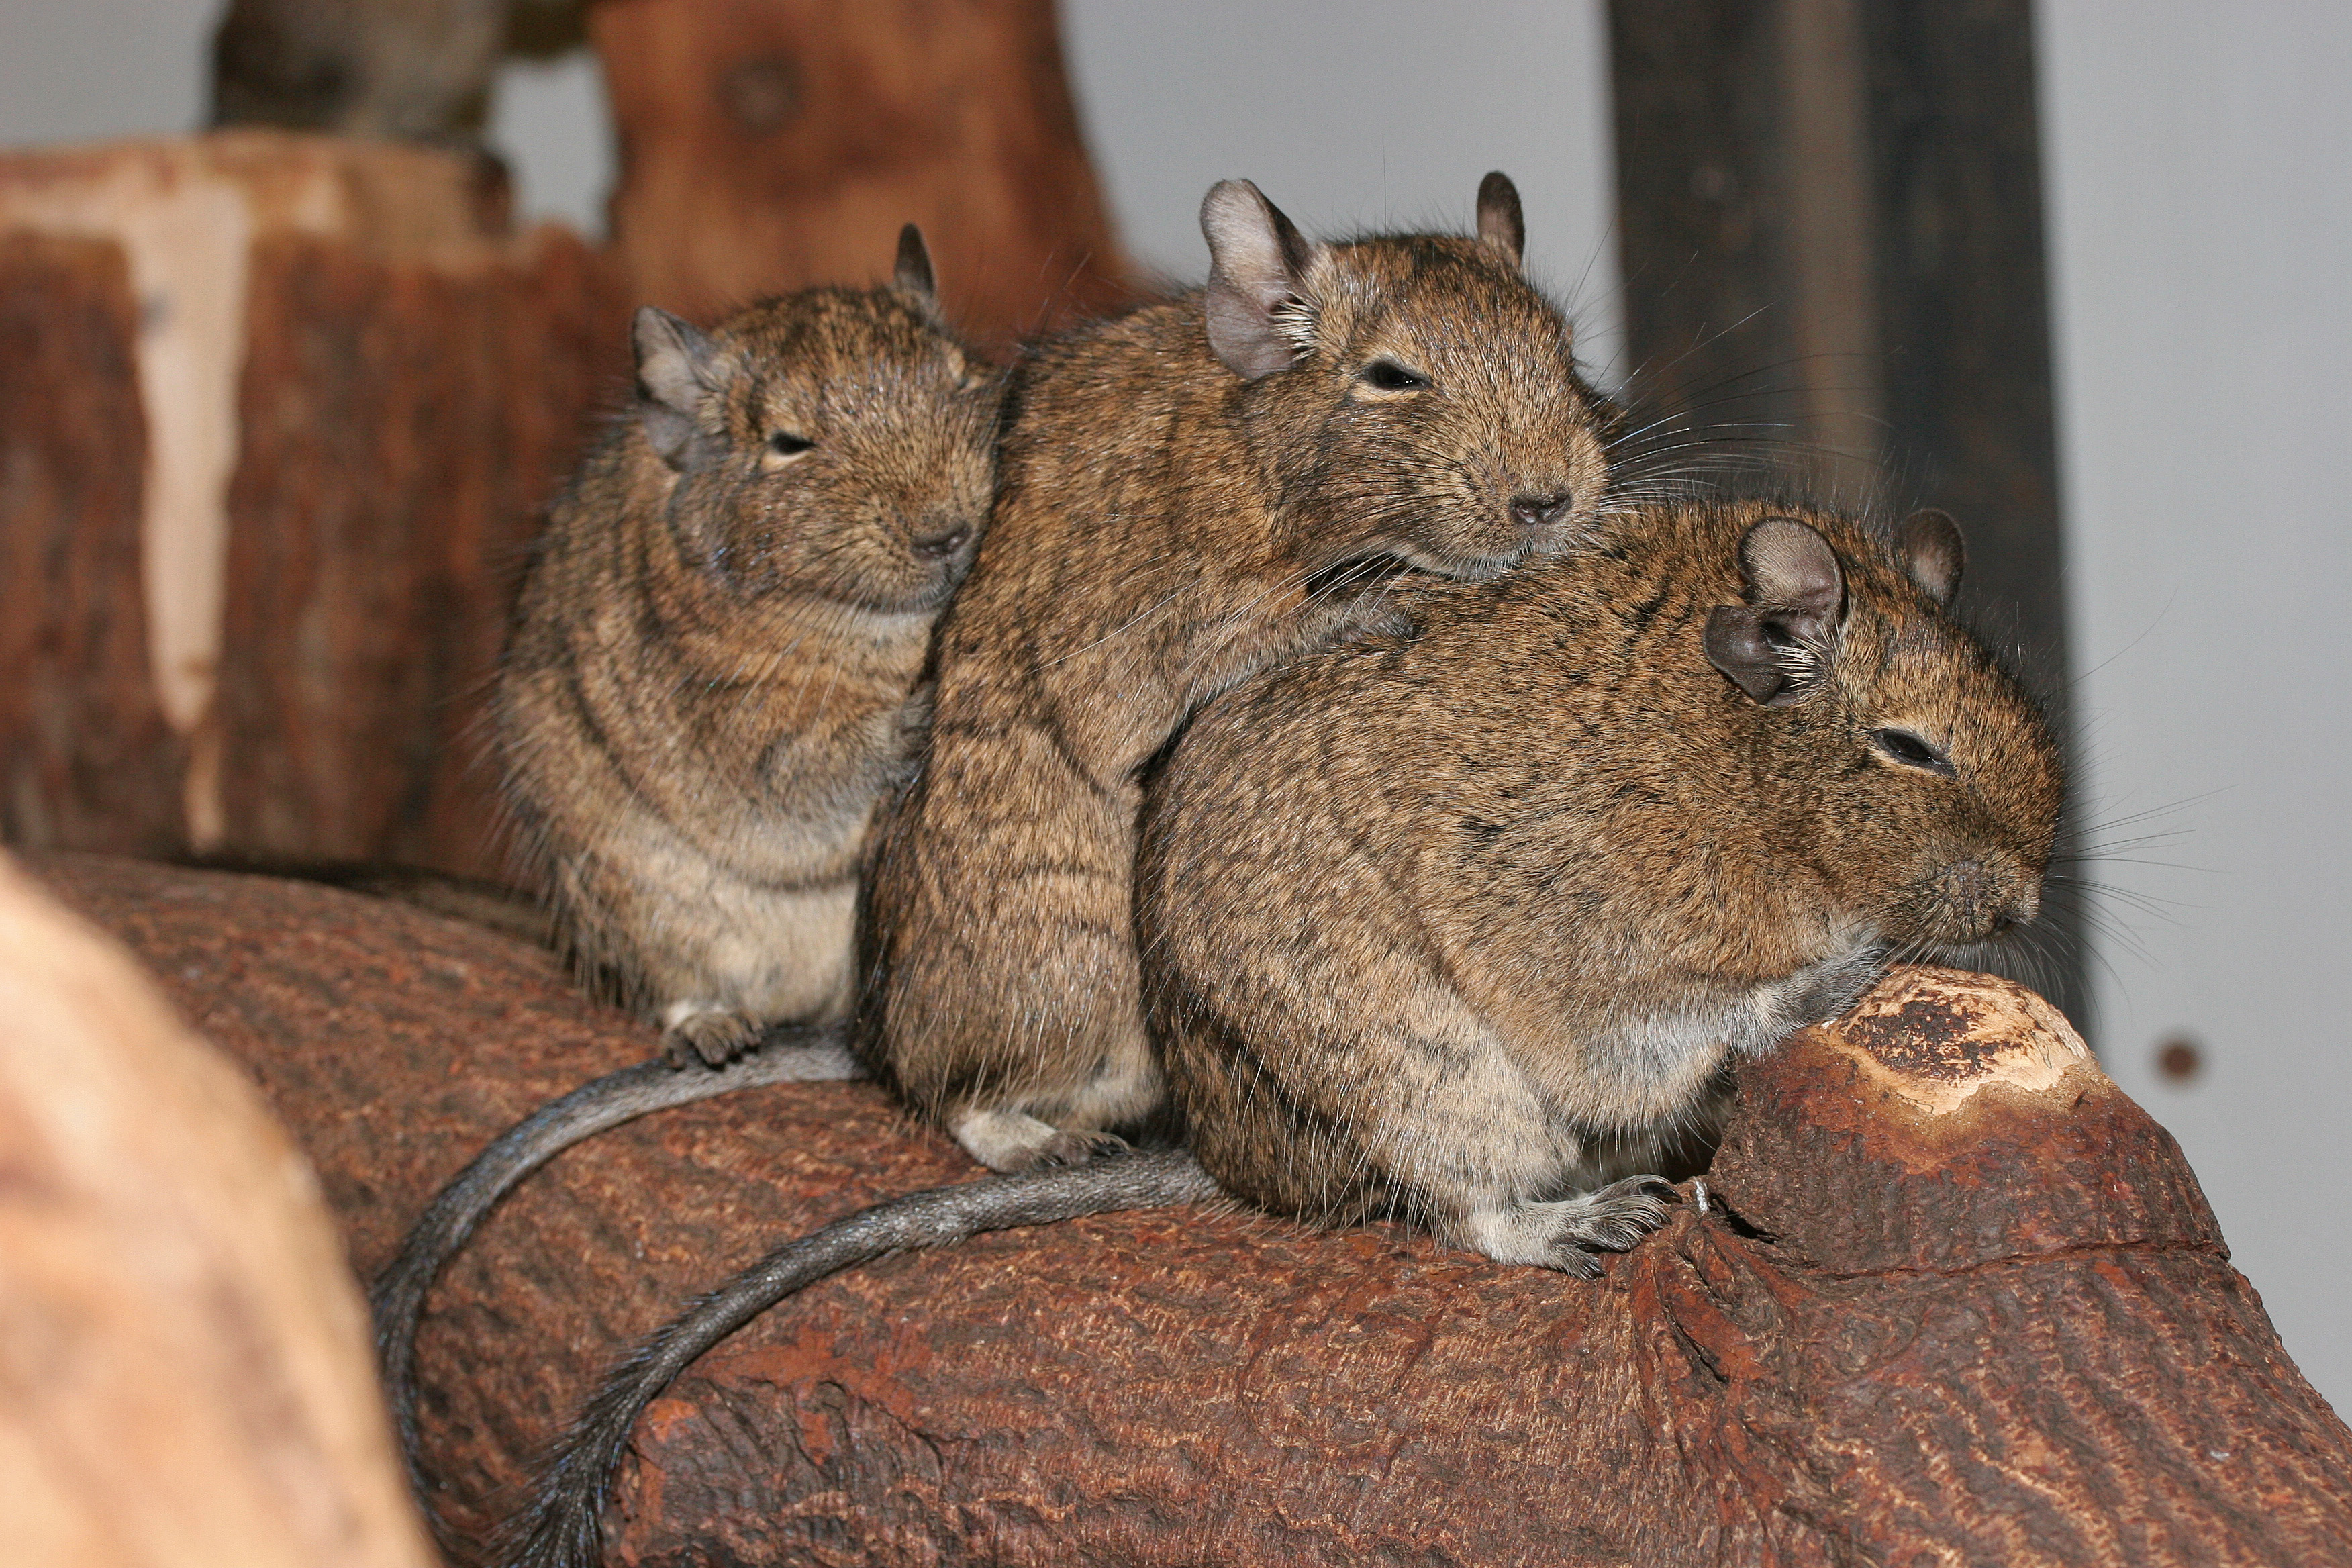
<point x="185" y="1377"/>
<point x="1953" y="1298"/>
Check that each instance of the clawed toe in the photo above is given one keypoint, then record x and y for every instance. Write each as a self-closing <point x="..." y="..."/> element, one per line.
<point x="1078" y="1148"/>
<point x="710" y="1039"/>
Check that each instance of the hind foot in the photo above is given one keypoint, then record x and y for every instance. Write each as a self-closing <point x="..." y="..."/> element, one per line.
<point x="705" y="1033"/>
<point x="1013" y="1141"/>
<point x="1565" y="1235"/>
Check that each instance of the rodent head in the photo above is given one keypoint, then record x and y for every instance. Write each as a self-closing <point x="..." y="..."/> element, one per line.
<point x="1927" y="783"/>
<point x="836" y="442"/>
<point x="1412" y="395"/>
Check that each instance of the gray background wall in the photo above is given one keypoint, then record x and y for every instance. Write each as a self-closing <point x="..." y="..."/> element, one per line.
<point x="2200" y="213"/>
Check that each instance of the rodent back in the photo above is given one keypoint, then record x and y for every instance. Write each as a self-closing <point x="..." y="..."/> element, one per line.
<point x="1552" y="810"/>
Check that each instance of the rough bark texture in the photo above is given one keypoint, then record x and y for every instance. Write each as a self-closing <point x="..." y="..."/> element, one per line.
<point x="404" y="425"/>
<point x="767" y="144"/>
<point x="1954" y="1299"/>
<point x="184" y="1376"/>
<point x="85" y="755"/>
<point x="279" y="416"/>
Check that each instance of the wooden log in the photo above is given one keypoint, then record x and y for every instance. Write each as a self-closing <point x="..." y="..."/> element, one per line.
<point x="769" y="144"/>
<point x="1953" y="1298"/>
<point x="290" y="409"/>
<point x="86" y="754"/>
<point x="184" y="1376"/>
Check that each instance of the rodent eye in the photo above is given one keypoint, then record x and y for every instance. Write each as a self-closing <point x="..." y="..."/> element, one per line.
<point x="784" y="444"/>
<point x="1903" y="746"/>
<point x="1390" y="376"/>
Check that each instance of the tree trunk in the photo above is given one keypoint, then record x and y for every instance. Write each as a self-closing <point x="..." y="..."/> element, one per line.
<point x="1952" y="1298"/>
<point x="279" y="415"/>
<point x="769" y="144"/>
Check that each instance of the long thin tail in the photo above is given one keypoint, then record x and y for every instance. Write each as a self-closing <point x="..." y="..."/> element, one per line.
<point x="817" y="1054"/>
<point x="564" y="1526"/>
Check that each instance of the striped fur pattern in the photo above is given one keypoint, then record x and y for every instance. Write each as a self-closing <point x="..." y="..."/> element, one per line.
<point x="714" y="671"/>
<point x="1468" y="925"/>
<point x="1189" y="493"/>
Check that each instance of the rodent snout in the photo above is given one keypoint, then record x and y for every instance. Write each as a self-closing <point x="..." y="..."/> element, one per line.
<point x="943" y="543"/>
<point x="1982" y="896"/>
<point x="1533" y="512"/>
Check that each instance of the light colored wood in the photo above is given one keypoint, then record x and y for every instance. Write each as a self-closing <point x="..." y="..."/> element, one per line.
<point x="184" y="1371"/>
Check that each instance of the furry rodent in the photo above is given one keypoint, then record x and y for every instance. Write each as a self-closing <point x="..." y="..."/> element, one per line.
<point x="1518" y="888"/>
<point x="713" y="677"/>
<point x="1464" y="925"/>
<point x="1187" y="494"/>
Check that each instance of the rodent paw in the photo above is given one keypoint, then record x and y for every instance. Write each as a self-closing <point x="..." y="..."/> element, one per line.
<point x="1565" y="1235"/>
<point x="711" y="1039"/>
<point x="1078" y="1148"/>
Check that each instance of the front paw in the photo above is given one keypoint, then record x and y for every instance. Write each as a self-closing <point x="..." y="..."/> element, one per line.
<point x="1565" y="1235"/>
<point x="708" y="1036"/>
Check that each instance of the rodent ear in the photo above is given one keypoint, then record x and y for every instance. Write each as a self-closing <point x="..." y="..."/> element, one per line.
<point x="1500" y="222"/>
<point x="1258" y="317"/>
<point x="1792" y="573"/>
<point x="1770" y="647"/>
<point x="676" y="369"/>
<point x="914" y="274"/>
<point x="1929" y="546"/>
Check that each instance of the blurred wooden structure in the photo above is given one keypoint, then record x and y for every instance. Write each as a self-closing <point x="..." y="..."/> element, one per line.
<point x="767" y="144"/>
<point x="1830" y="227"/>
<point x="280" y="415"/>
<point x="1953" y="1298"/>
<point x="279" y="412"/>
<point x="187" y="1379"/>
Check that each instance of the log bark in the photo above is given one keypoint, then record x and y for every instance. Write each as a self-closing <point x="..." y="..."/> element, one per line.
<point x="1953" y="1298"/>
<point x="283" y="414"/>
<point x="769" y="144"/>
<point x="184" y="1376"/>
<point x="85" y="755"/>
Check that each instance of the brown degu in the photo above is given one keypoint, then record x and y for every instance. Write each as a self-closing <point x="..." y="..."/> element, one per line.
<point x="714" y="672"/>
<point x="1465" y="924"/>
<point x="1188" y="493"/>
<point x="1466" y="927"/>
<point x="714" y="677"/>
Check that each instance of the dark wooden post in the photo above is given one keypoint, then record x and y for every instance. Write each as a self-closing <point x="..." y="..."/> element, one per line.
<point x="1831" y="213"/>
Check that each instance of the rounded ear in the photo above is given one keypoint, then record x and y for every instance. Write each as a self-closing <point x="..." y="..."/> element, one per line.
<point x="1258" y="317"/>
<point x="677" y="368"/>
<point x="914" y="270"/>
<point x="1791" y="570"/>
<point x="1770" y="647"/>
<point x="1500" y="223"/>
<point x="1928" y="545"/>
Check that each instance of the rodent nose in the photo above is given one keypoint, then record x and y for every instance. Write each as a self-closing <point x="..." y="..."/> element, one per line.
<point x="940" y="544"/>
<point x="1540" y="511"/>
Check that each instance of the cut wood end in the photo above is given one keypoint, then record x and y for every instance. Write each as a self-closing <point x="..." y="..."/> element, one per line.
<point x="1936" y="1037"/>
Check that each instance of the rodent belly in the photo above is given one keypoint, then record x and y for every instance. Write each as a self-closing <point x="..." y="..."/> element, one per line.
<point x="780" y="954"/>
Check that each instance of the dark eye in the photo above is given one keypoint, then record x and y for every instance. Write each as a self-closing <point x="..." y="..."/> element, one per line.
<point x="1390" y="376"/>
<point x="784" y="444"/>
<point x="1903" y="746"/>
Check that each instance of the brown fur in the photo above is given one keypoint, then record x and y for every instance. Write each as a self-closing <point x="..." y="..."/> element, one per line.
<point x="713" y="675"/>
<point x="1463" y="924"/>
<point x="1164" y="511"/>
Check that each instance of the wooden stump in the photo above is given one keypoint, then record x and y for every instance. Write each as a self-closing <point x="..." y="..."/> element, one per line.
<point x="184" y="1376"/>
<point x="769" y="144"/>
<point x="281" y="413"/>
<point x="1953" y="1299"/>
